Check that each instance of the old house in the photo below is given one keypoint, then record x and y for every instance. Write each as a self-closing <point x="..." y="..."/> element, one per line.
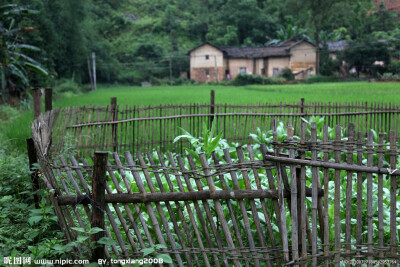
<point x="215" y="63"/>
<point x="335" y="47"/>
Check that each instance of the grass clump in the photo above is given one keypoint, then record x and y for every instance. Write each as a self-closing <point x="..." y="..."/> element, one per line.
<point x="321" y="79"/>
<point x="8" y="112"/>
<point x="67" y="88"/>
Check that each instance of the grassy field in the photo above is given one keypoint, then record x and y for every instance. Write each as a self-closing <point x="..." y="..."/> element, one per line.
<point x="18" y="129"/>
<point x="325" y="92"/>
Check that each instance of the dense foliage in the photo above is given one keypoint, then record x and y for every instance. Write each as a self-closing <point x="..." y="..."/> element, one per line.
<point x="138" y="40"/>
<point x="15" y="55"/>
<point x="364" y="57"/>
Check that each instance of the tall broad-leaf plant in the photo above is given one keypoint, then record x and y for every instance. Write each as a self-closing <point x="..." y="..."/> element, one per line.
<point x="16" y="61"/>
<point x="207" y="143"/>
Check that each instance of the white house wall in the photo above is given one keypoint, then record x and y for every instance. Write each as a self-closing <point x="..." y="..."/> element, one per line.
<point x="277" y="63"/>
<point x="200" y="65"/>
<point x="198" y="57"/>
<point x="303" y="59"/>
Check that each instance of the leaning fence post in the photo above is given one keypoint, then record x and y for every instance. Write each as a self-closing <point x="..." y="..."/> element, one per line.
<point x="35" y="174"/>
<point x="114" y="117"/>
<point x="48" y="99"/>
<point x="37" y="102"/>
<point x="98" y="207"/>
<point x="212" y="108"/>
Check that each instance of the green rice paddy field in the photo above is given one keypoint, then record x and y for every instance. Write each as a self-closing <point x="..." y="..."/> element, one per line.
<point x="18" y="129"/>
<point x="325" y="92"/>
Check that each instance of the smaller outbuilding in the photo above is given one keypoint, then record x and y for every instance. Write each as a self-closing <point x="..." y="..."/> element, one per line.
<point x="210" y="63"/>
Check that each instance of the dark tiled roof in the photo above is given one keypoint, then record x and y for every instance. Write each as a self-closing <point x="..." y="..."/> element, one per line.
<point x="335" y="46"/>
<point x="280" y="50"/>
<point x="254" y="52"/>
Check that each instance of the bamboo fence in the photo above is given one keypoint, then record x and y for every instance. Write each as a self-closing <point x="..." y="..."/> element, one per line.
<point x="133" y="128"/>
<point x="268" y="206"/>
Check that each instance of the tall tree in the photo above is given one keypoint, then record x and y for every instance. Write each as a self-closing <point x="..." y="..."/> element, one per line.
<point x="250" y="20"/>
<point x="60" y="32"/>
<point x="364" y="55"/>
<point x="316" y="13"/>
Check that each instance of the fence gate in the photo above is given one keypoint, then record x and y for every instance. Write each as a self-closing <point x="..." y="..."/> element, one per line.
<point x="319" y="198"/>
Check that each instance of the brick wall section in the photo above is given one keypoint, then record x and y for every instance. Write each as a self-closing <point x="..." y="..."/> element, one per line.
<point x="199" y="74"/>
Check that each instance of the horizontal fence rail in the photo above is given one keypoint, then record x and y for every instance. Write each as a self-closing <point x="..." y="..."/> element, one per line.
<point x="320" y="195"/>
<point x="133" y="128"/>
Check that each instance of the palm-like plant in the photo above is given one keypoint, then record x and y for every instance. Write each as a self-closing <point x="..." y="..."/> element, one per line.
<point x="290" y="32"/>
<point x="15" y="63"/>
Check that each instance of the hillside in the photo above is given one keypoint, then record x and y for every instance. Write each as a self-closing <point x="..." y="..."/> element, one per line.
<point x="138" y="40"/>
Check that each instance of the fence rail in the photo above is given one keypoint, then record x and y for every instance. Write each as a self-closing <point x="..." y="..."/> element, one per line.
<point x="244" y="207"/>
<point x="126" y="127"/>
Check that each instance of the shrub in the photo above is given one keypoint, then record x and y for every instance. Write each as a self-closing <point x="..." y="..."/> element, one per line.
<point x="130" y="77"/>
<point x="268" y="80"/>
<point x="67" y="86"/>
<point x="390" y="76"/>
<point x="159" y="81"/>
<point x="394" y="67"/>
<point x="287" y="74"/>
<point x="278" y="80"/>
<point x="180" y="81"/>
<point x="225" y="82"/>
<point x="8" y="113"/>
<point x="245" y="79"/>
<point x="321" y="79"/>
<point x="327" y="65"/>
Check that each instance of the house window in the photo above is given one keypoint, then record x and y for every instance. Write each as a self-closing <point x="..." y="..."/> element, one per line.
<point x="243" y="70"/>
<point x="207" y="73"/>
<point x="207" y="57"/>
<point x="275" y="72"/>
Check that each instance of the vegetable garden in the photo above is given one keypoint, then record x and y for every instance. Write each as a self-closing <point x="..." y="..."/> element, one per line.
<point x="261" y="185"/>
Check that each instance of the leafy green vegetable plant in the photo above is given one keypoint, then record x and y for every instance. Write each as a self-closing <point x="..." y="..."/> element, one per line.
<point x="152" y="251"/>
<point x="205" y="144"/>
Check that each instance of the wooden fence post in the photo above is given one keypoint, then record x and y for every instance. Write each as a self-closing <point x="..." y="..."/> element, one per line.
<point x="37" y="102"/>
<point x="212" y="108"/>
<point x="35" y="174"/>
<point x="90" y="74"/>
<point x="98" y="207"/>
<point x="299" y="214"/>
<point x="94" y="71"/>
<point x="48" y="99"/>
<point x="114" y="117"/>
<point x="301" y="111"/>
<point x="302" y="106"/>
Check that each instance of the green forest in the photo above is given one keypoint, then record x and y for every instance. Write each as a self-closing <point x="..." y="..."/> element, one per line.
<point x="134" y="41"/>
